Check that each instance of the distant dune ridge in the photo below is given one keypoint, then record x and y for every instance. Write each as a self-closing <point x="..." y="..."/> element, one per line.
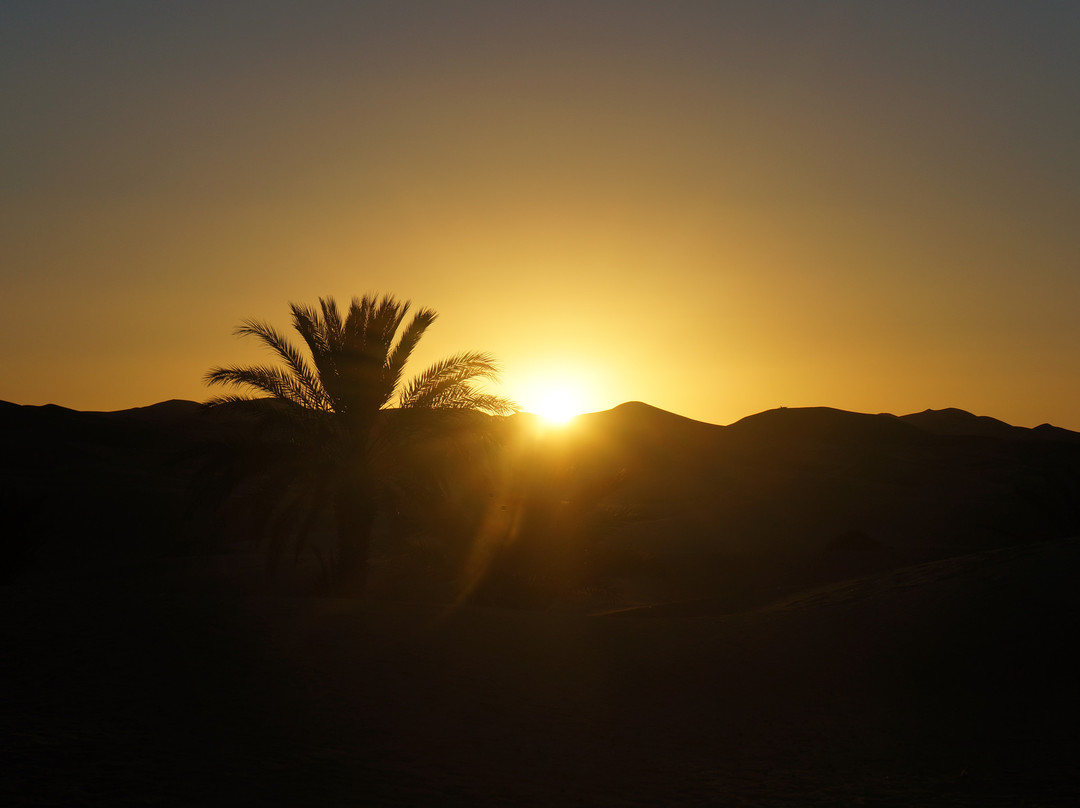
<point x="808" y="606"/>
<point x="785" y="487"/>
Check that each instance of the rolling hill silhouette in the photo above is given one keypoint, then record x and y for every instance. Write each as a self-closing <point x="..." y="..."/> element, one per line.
<point x="808" y="606"/>
<point x="800" y="495"/>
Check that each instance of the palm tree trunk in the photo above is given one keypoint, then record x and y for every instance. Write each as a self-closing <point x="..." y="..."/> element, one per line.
<point x="356" y="522"/>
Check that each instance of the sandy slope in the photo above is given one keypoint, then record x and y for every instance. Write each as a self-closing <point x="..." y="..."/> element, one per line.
<point x="943" y="684"/>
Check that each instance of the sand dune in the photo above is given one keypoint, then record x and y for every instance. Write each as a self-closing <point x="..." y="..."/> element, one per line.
<point x="948" y="683"/>
<point x="824" y="608"/>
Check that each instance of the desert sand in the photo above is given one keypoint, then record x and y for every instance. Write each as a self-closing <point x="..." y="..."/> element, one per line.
<point x="809" y="607"/>
<point x="944" y="683"/>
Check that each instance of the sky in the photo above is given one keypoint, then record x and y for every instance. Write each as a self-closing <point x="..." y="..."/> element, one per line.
<point x="714" y="207"/>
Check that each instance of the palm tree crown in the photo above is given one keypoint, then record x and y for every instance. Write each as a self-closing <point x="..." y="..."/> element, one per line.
<point x="357" y="363"/>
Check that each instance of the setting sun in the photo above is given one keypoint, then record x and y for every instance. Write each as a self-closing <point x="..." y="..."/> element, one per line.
<point x="557" y="406"/>
<point x="558" y="389"/>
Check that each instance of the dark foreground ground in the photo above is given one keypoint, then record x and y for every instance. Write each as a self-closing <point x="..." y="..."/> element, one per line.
<point x="949" y="683"/>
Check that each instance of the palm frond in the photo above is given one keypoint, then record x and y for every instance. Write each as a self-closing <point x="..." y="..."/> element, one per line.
<point x="308" y="324"/>
<point x="410" y="337"/>
<point x="273" y="381"/>
<point x="467" y="397"/>
<point x="386" y="321"/>
<point x="448" y="383"/>
<point x="485" y="402"/>
<point x="229" y="399"/>
<point x="315" y="396"/>
<point x="323" y="340"/>
<point x="369" y="333"/>
<point x="335" y="336"/>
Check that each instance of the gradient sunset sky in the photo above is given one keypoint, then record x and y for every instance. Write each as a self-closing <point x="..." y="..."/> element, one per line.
<point x="717" y="208"/>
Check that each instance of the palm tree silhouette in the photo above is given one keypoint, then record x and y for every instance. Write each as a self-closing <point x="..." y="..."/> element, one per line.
<point x="337" y="426"/>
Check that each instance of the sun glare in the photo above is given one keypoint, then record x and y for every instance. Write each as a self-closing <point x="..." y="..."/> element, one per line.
<point x="557" y="406"/>
<point x="556" y="391"/>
